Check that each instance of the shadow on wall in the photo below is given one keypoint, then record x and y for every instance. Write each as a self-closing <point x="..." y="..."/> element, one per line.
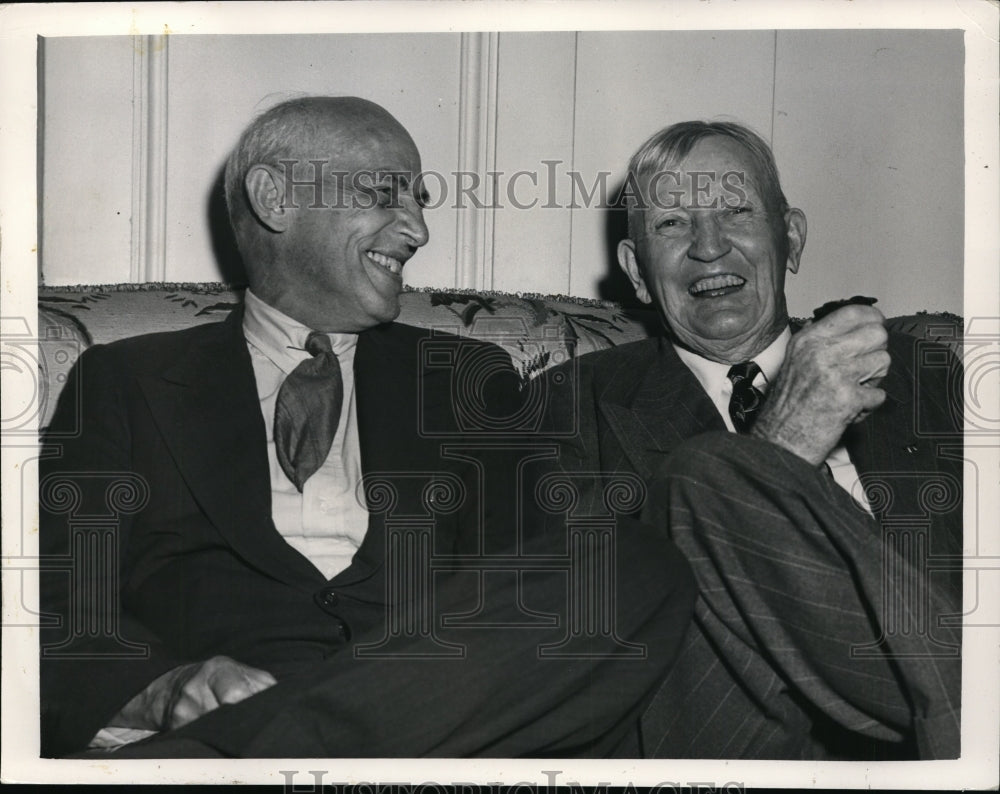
<point x="615" y="285"/>
<point x="227" y="256"/>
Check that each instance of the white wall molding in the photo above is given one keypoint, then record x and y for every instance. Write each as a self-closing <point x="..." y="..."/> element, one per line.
<point x="477" y="154"/>
<point x="148" y="260"/>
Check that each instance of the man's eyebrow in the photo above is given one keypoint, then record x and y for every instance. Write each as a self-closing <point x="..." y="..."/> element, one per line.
<point x="376" y="174"/>
<point x="664" y="207"/>
<point x="404" y="180"/>
<point x="401" y="175"/>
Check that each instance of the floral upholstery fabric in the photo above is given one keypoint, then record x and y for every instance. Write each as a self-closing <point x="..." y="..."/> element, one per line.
<point x="537" y="332"/>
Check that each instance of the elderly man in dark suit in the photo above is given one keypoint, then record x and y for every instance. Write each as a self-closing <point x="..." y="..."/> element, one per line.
<point x="221" y="561"/>
<point x="809" y="523"/>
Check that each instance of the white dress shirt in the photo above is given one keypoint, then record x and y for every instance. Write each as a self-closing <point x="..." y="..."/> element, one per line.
<point x="328" y="520"/>
<point x="714" y="379"/>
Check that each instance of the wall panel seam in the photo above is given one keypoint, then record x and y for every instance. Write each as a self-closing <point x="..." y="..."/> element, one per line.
<point x="476" y="155"/>
<point x="149" y="159"/>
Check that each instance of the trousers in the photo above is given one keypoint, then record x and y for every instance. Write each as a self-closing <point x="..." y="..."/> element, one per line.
<point x="788" y="655"/>
<point x="510" y="687"/>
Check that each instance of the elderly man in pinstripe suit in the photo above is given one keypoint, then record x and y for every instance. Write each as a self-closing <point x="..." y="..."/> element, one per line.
<point x="772" y="451"/>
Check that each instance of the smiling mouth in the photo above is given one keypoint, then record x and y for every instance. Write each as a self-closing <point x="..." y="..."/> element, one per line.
<point x="716" y="286"/>
<point x="393" y="265"/>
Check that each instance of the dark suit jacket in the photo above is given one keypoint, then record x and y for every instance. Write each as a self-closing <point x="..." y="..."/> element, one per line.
<point x="203" y="570"/>
<point x="156" y="528"/>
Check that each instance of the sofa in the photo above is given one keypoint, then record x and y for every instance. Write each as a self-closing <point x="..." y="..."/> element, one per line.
<point x="537" y="331"/>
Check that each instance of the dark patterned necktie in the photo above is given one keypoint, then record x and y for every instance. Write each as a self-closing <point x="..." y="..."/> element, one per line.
<point x="747" y="399"/>
<point x="307" y="412"/>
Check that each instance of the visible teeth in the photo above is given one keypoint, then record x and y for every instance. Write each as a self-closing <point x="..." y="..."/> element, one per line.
<point x="394" y="266"/>
<point x="716" y="282"/>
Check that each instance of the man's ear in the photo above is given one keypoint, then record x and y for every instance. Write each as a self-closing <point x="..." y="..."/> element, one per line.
<point x="795" y="235"/>
<point x="266" y="194"/>
<point x="629" y="263"/>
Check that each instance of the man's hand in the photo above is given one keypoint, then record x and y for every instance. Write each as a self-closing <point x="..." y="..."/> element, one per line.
<point x="185" y="693"/>
<point x="828" y="380"/>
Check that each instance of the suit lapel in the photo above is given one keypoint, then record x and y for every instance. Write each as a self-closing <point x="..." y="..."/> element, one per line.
<point x="207" y="409"/>
<point x="652" y="416"/>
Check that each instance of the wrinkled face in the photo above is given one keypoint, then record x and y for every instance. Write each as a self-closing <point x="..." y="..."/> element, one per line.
<point x="711" y="257"/>
<point x="341" y="257"/>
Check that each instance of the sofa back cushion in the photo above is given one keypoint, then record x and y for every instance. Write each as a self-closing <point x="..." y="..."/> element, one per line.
<point x="537" y="332"/>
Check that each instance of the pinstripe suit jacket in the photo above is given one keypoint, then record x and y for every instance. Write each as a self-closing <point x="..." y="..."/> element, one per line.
<point x="638" y="402"/>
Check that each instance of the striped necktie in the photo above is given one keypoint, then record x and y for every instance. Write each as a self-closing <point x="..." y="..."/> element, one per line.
<point x="747" y="399"/>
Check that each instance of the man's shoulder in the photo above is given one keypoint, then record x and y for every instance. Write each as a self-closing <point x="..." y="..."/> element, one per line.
<point x="630" y="351"/>
<point x="628" y="361"/>
<point x="921" y="358"/>
<point x="154" y="352"/>
<point x="398" y="331"/>
<point x="421" y="345"/>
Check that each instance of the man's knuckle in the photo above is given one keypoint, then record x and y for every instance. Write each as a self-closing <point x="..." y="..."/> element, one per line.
<point x="182" y="714"/>
<point x="190" y="695"/>
<point x="845" y="394"/>
<point x="877" y="334"/>
<point x="236" y="693"/>
<point x="875" y="398"/>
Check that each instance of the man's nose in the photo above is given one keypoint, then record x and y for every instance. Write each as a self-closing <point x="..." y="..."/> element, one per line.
<point x="709" y="242"/>
<point x="411" y="219"/>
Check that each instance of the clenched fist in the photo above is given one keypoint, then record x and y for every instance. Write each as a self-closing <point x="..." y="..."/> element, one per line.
<point x="828" y="380"/>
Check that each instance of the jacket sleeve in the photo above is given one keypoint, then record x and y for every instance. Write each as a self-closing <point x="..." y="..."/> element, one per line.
<point x="94" y="657"/>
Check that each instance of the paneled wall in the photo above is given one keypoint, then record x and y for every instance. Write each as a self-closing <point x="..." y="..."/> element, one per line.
<point x="867" y="128"/>
<point x="87" y="159"/>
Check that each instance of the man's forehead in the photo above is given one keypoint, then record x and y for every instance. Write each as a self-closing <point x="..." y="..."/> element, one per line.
<point x="363" y="139"/>
<point x="722" y="168"/>
<point x="351" y="155"/>
<point x="716" y="151"/>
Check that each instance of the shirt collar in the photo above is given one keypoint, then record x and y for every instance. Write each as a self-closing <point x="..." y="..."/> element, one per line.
<point x="773" y="356"/>
<point x="769" y="360"/>
<point x="281" y="339"/>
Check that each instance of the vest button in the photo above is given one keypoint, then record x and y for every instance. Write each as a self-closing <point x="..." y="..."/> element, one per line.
<point x="329" y="599"/>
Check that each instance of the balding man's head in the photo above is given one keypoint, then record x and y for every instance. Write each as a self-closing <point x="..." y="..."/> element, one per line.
<point x="321" y="199"/>
<point x="300" y="129"/>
